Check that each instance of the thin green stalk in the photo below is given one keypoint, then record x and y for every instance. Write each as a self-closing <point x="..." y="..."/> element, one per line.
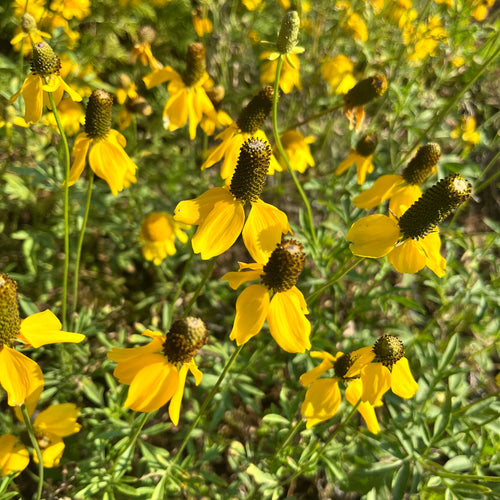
<point x="206" y="276"/>
<point x="80" y="242"/>
<point x="315" y="116"/>
<point x="66" y="210"/>
<point x="292" y="433"/>
<point x="284" y="156"/>
<point x="488" y="181"/>
<point x="34" y="443"/>
<point x="207" y="401"/>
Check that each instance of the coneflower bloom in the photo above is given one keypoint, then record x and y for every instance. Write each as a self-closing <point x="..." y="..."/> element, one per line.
<point x="103" y="146"/>
<point x="361" y="156"/>
<point x="188" y="100"/>
<point x="220" y="214"/>
<point x="142" y="50"/>
<point x="412" y="241"/>
<point x="275" y="298"/>
<point x="43" y="79"/>
<point x="402" y="190"/>
<point x="29" y="32"/>
<point x="156" y="372"/>
<point x="296" y="147"/>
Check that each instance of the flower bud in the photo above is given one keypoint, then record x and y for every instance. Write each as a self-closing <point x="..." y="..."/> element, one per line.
<point x="45" y="62"/>
<point x="289" y="32"/>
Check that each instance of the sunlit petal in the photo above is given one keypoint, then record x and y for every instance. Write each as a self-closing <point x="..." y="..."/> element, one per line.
<point x="431" y="244"/>
<point x="174" y="407"/>
<point x="353" y="395"/>
<point x="196" y="210"/>
<point x="309" y="377"/>
<point x="13" y="457"/>
<point x="376" y="380"/>
<point x="382" y="189"/>
<point x="409" y="257"/>
<point x="79" y="157"/>
<point x="402" y="382"/>
<point x="321" y="402"/>
<point x="58" y="419"/>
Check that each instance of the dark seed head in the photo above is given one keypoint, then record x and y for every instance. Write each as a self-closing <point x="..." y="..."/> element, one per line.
<point x="184" y="339"/>
<point x="256" y="111"/>
<point x="98" y="114"/>
<point x="422" y="164"/>
<point x="365" y="91"/>
<point x="366" y="145"/>
<point x="388" y="350"/>
<point x="9" y="311"/>
<point x="45" y="62"/>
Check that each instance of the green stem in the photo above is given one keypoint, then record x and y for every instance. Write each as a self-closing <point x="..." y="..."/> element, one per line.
<point x="284" y="156"/>
<point x="292" y="433"/>
<point x="206" y="276"/>
<point x="80" y="242"/>
<point x="34" y="443"/>
<point x="314" y="117"/>
<point x="491" y="164"/>
<point x="66" y="210"/>
<point x="347" y="266"/>
<point x="206" y="402"/>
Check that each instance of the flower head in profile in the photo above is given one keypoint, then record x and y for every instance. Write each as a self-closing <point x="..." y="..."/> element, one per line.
<point x="412" y="241"/>
<point x="220" y="214"/>
<point x="20" y="376"/>
<point x="201" y="23"/>
<point x="323" y="397"/>
<point x="296" y="147"/>
<point x="158" y="233"/>
<point x="338" y="73"/>
<point x="389" y="370"/>
<point x="248" y="125"/>
<point x="361" y="156"/>
<point x="28" y="33"/>
<point x="467" y="131"/>
<point x="275" y="298"/>
<point x="289" y="76"/>
<point x="14" y="457"/>
<point x="43" y="79"/>
<point x="402" y="190"/>
<point x="103" y="146"/>
<point x="188" y="100"/>
<point x="362" y="93"/>
<point x="156" y="372"/>
<point x="142" y="50"/>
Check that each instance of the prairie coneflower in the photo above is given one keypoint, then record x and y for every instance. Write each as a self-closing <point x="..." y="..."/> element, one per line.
<point x="43" y="79"/>
<point x="402" y="190"/>
<point x="14" y="457"/>
<point x="220" y="214"/>
<point x="142" y="49"/>
<point x="20" y="376"/>
<point x="338" y="73"/>
<point x="156" y="372"/>
<point x="322" y="399"/>
<point x="29" y="32"/>
<point x="201" y="23"/>
<point x="158" y="233"/>
<point x="412" y="241"/>
<point x="248" y="125"/>
<point x="361" y="156"/>
<point x="289" y="77"/>
<point x="188" y="100"/>
<point x="103" y="145"/>
<point x="276" y="299"/>
<point x="296" y="147"/>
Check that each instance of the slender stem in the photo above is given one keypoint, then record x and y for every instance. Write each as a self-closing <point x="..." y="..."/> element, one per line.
<point x="315" y="116"/>
<point x="284" y="156"/>
<point x="340" y="272"/>
<point x="80" y="242"/>
<point x="206" y="276"/>
<point x="488" y="181"/>
<point x="292" y="433"/>
<point x="34" y="443"/>
<point x="206" y="402"/>
<point x="66" y="210"/>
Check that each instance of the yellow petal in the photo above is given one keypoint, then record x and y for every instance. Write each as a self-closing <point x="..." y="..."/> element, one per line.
<point x="263" y="229"/>
<point x="33" y="98"/>
<point x="195" y="372"/>
<point x="359" y="359"/>
<point x="174" y="408"/>
<point x="383" y="188"/>
<point x="58" y="419"/>
<point x="251" y="311"/>
<point x="403" y="198"/>
<point x="13" y="458"/>
<point x="20" y="376"/>
<point x="321" y="402"/>
<point x="51" y="456"/>
<point x="409" y="257"/>
<point x="159" y="76"/>
<point x="367" y="411"/>
<point x="236" y="279"/>
<point x="175" y="112"/>
<point x="402" y="382"/>
<point x="287" y="322"/>
<point x="373" y="236"/>
<point x="376" y="380"/>
<point x="309" y="377"/>
<point x="345" y="164"/>
<point x="44" y="328"/>
<point x="79" y="157"/>
<point x="195" y="211"/>
<point x="219" y="151"/>
<point x="431" y="245"/>
<point x="75" y="96"/>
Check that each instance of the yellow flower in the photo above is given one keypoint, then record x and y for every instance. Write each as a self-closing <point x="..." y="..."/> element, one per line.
<point x="322" y="399"/>
<point x="296" y="147"/>
<point x="220" y="215"/>
<point x="390" y="370"/>
<point x="202" y="25"/>
<point x="104" y="147"/>
<point x="34" y="7"/>
<point x="216" y="96"/>
<point x="14" y="457"/>
<point x="425" y="38"/>
<point x="158" y="232"/>
<point x="361" y="157"/>
<point x="356" y="27"/>
<point x="27" y="33"/>
<point x="9" y="118"/>
<point x="467" y="130"/>
<point x="276" y="299"/>
<point x="289" y="77"/>
<point x="142" y="49"/>
<point x="70" y="9"/>
<point x="337" y="72"/>
<point x="251" y="4"/>
<point x="480" y="12"/>
<point x="40" y="82"/>
<point x="156" y="372"/>
<point x="188" y="99"/>
<point x="412" y="242"/>
<point x="71" y="114"/>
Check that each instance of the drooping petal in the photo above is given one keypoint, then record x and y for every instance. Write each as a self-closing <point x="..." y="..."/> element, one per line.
<point x="373" y="236"/>
<point x="345" y="164"/>
<point x="20" y="376"/>
<point x="78" y="157"/>
<point x="44" y="328"/>
<point x="75" y="96"/>
<point x="288" y="324"/>
<point x="431" y="245"/>
<point x="409" y="257"/>
<point x="106" y="160"/>
<point x="120" y="355"/>
<point x="251" y="311"/>
<point x="263" y="229"/>
<point x="236" y="279"/>
<point x="309" y="377"/>
<point x="58" y="419"/>
<point x="403" y="198"/>
<point x="383" y="188"/>
<point x="153" y="386"/>
<point x="402" y="382"/>
<point x="364" y="166"/>
<point x="33" y="98"/>
<point x="159" y="76"/>
<point x="175" y="112"/>
<point x="353" y="395"/>
<point x="196" y="210"/>
<point x="126" y="371"/>
<point x="13" y="457"/>
<point x="376" y="380"/>
<point x="195" y="372"/>
<point x="359" y="359"/>
<point x="219" y="151"/>
<point x="51" y="456"/>
<point x="321" y="402"/>
<point x="174" y="408"/>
